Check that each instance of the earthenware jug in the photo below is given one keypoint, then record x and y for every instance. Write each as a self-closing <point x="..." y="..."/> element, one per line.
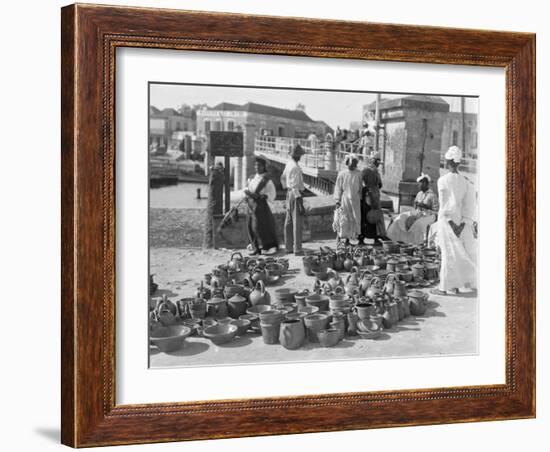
<point x="348" y="262"/>
<point x="380" y="261"/>
<point x="258" y="274"/>
<point x="236" y="306"/>
<point x="334" y="280"/>
<point x="373" y="287"/>
<point x="339" y="262"/>
<point x="259" y="295"/>
<point x="236" y="262"/>
<point x="292" y="334"/>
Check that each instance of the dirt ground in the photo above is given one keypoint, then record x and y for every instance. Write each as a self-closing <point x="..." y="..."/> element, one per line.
<point x="449" y="327"/>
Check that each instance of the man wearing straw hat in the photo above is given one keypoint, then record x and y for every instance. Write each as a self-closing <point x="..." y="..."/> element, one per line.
<point x="292" y="180"/>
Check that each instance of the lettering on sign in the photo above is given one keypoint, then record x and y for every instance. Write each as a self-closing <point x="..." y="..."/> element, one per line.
<point x="226" y="144"/>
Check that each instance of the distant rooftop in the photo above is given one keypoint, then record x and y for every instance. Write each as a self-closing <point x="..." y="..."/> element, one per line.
<point x="251" y="107"/>
<point x="435" y="102"/>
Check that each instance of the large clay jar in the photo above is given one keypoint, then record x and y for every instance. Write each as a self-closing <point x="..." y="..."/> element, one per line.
<point x="292" y="334"/>
<point x="319" y="301"/>
<point x="236" y="306"/>
<point x="259" y="295"/>
<point x="417" y="302"/>
<point x="315" y="323"/>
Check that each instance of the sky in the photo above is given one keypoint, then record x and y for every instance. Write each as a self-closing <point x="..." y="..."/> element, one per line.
<point x="336" y="108"/>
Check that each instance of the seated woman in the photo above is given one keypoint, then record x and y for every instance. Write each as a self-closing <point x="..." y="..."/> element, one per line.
<point x="411" y="227"/>
<point x="260" y="222"/>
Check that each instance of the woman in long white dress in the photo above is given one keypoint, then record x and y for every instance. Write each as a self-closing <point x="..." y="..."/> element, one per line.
<point x="347" y="194"/>
<point x="456" y="228"/>
<point x="412" y="226"/>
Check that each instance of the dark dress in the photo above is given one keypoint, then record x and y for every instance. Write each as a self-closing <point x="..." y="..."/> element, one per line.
<point x="372" y="184"/>
<point x="260" y="221"/>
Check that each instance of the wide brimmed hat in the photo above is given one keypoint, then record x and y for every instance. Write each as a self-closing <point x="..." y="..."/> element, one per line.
<point x="297" y="151"/>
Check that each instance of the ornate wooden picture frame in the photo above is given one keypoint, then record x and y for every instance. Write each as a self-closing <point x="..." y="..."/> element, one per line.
<point x="90" y="37"/>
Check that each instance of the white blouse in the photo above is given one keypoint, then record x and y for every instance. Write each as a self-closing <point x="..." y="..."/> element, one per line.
<point x="268" y="190"/>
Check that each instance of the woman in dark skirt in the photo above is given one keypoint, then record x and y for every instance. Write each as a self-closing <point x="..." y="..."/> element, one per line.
<point x="260" y="221"/>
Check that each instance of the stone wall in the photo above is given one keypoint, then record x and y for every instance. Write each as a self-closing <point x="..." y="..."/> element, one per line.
<point x="184" y="228"/>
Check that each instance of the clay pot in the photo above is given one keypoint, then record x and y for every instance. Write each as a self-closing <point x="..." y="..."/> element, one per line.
<point x="292" y="334"/>
<point x="338" y="264"/>
<point x="348" y="263"/>
<point x="365" y="310"/>
<point x="319" y="301"/>
<point x="339" y="300"/>
<point x="236" y="306"/>
<point x="236" y="262"/>
<point x="390" y="316"/>
<point x="242" y="326"/>
<point x="271" y="316"/>
<point x="308" y="263"/>
<point x="259" y="295"/>
<point x="220" y="334"/>
<point x="253" y="319"/>
<point x="431" y="271"/>
<point x="308" y="309"/>
<point x="380" y="262"/>
<point x="284" y="295"/>
<point x="340" y="326"/>
<point x="352" y="318"/>
<point x="300" y="297"/>
<point x="391" y="264"/>
<point x="216" y="308"/>
<point x="270" y="332"/>
<point x="328" y="338"/>
<point x="418" y="271"/>
<point x="315" y="323"/>
<point x="418" y="302"/>
<point x="171" y="338"/>
<point x="219" y="277"/>
<point x="373" y="288"/>
<point x="374" y="322"/>
<point x="258" y="274"/>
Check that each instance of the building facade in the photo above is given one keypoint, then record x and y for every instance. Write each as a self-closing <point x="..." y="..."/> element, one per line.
<point x="163" y="124"/>
<point x="271" y="121"/>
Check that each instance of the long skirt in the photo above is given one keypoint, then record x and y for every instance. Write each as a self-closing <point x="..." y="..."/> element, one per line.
<point x="261" y="225"/>
<point x="371" y="230"/>
<point x="458" y="257"/>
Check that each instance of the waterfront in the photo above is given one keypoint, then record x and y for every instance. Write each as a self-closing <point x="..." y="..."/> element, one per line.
<point x="178" y="196"/>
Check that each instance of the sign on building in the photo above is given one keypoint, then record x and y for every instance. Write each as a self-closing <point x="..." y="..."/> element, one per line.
<point x="226" y="144"/>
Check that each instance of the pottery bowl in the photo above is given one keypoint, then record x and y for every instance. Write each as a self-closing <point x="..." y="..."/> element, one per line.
<point x="271" y="316"/>
<point x="242" y="326"/>
<point x="170" y="338"/>
<point x="255" y="310"/>
<point x="308" y="309"/>
<point x="225" y="321"/>
<point x="194" y="324"/>
<point x="220" y="334"/>
<point x="328" y="338"/>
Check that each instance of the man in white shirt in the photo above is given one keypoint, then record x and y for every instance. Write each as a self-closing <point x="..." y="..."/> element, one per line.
<point x="292" y="180"/>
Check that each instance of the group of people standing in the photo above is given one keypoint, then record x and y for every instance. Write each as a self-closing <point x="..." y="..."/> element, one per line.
<point x="358" y="213"/>
<point x="260" y="222"/>
<point x="448" y="217"/>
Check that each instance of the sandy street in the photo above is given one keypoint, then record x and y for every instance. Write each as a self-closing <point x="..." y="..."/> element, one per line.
<point x="449" y="327"/>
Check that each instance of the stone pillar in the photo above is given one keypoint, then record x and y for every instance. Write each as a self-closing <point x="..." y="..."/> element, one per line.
<point x="249" y="131"/>
<point x="187" y="146"/>
<point x="238" y="174"/>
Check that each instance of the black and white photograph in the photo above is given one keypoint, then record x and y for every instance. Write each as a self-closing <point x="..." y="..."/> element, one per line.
<point x="294" y="225"/>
